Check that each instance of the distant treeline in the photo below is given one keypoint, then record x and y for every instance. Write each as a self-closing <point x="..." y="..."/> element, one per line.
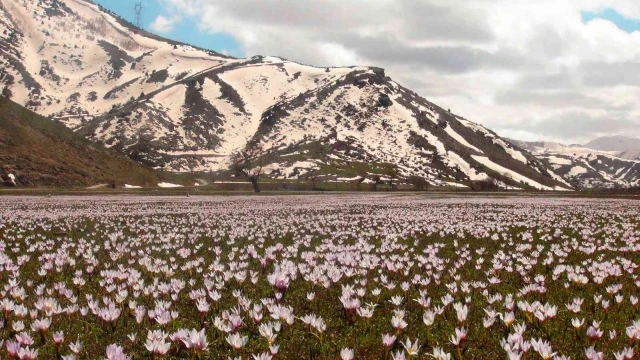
<point x="622" y="191"/>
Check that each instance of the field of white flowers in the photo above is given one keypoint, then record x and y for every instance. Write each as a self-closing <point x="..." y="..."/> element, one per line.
<point x="314" y="277"/>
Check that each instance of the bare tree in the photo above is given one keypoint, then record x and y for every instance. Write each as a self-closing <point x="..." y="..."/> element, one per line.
<point x="392" y="173"/>
<point x="375" y="182"/>
<point x="494" y="184"/>
<point x="312" y="177"/>
<point x="509" y="178"/>
<point x="419" y="183"/>
<point x="361" y="179"/>
<point x="192" y="164"/>
<point x="249" y="163"/>
<point x="192" y="160"/>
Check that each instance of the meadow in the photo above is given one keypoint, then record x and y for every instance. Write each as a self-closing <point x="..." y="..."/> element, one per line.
<point x="357" y="276"/>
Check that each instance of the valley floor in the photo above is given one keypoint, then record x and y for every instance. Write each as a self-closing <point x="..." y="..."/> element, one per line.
<point x="364" y="276"/>
<point x="208" y="191"/>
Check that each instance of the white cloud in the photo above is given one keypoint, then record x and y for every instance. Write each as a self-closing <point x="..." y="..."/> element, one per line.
<point x="163" y="24"/>
<point x="513" y="65"/>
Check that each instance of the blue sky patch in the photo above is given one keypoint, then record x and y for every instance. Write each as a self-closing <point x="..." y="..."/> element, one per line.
<point x="622" y="22"/>
<point x="186" y="30"/>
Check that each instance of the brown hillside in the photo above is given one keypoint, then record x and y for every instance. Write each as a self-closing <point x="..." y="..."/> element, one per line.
<point x="43" y="153"/>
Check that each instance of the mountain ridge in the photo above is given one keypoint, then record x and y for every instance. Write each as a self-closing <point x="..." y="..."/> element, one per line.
<point x="614" y="143"/>
<point x="585" y="167"/>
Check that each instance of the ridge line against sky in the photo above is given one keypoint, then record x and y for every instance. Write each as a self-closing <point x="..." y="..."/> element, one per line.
<point x="554" y="70"/>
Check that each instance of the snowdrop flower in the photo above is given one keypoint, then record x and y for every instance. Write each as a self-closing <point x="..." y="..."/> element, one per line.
<point x="462" y="311"/>
<point x="236" y="341"/>
<point x="388" y="340"/>
<point x="156" y="342"/>
<point x="58" y="337"/>
<point x="488" y="321"/>
<point x="398" y="323"/>
<point x="236" y="321"/>
<point x="196" y="340"/>
<point x="24" y="339"/>
<point x="594" y="334"/>
<point x="459" y="337"/>
<point x="27" y="354"/>
<point x="41" y="325"/>
<point x="318" y="324"/>
<point x="268" y="332"/>
<point x="446" y="300"/>
<point x="115" y="352"/>
<point x="411" y="348"/>
<point x="592" y="354"/>
<point x="508" y="318"/>
<point x="365" y="312"/>
<point x="279" y="280"/>
<point x="428" y="318"/>
<point x="13" y="348"/>
<point x="17" y="326"/>
<point x="346" y="354"/>
<point x="263" y="356"/>
<point x="625" y="354"/>
<point x="75" y="347"/>
<point x="577" y="323"/>
<point x="439" y="354"/>
<point x="423" y="301"/>
<point x="350" y="304"/>
<point x="633" y="331"/>
<point x="396" y="300"/>
<point x="203" y="306"/>
<point x="273" y="349"/>
<point x="543" y="348"/>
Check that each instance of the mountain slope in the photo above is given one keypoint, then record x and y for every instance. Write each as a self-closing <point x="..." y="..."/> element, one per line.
<point x="41" y="152"/>
<point x="180" y="108"/>
<point x="614" y="143"/>
<point x="629" y="155"/>
<point x="584" y="167"/>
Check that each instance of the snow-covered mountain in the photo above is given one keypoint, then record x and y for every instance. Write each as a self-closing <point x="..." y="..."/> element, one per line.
<point x="177" y="107"/>
<point x="585" y="167"/>
<point x="623" y="146"/>
<point x="614" y="143"/>
<point x="629" y="154"/>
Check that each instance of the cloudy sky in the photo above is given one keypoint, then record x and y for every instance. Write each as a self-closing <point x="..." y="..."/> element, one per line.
<point x="557" y="70"/>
